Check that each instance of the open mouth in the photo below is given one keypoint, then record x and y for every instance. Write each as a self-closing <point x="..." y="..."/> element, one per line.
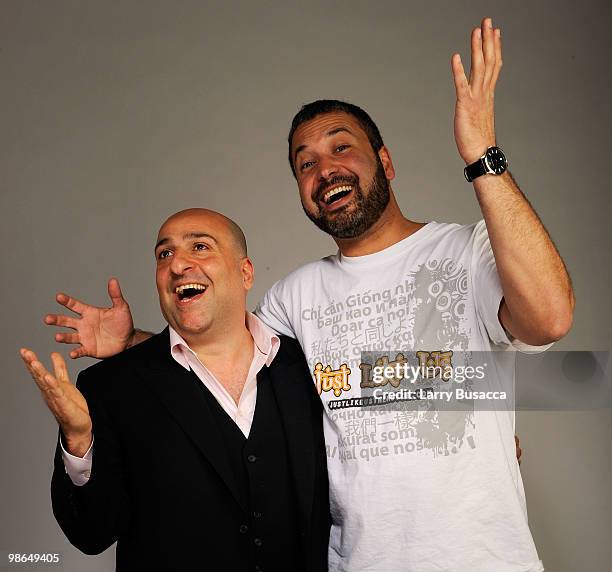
<point x="188" y="292"/>
<point x="336" y="194"/>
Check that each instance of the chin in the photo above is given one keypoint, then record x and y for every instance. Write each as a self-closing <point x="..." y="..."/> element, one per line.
<point x="190" y="328"/>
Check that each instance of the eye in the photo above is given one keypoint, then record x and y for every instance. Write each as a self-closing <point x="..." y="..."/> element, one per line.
<point x="306" y="164"/>
<point x="163" y="254"/>
<point x="200" y="246"/>
<point x="342" y="147"/>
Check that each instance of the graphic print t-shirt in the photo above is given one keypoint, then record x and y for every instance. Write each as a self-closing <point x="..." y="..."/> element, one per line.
<point x="413" y="489"/>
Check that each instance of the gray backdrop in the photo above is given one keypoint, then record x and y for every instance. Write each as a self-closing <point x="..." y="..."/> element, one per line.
<point x="116" y="114"/>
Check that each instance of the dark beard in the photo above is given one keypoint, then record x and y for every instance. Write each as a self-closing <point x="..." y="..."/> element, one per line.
<point x="368" y="207"/>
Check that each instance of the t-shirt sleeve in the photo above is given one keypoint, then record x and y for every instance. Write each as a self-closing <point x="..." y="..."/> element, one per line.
<point x="272" y="310"/>
<point x="488" y="292"/>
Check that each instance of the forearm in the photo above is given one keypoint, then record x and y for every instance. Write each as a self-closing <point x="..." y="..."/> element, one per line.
<point x="538" y="297"/>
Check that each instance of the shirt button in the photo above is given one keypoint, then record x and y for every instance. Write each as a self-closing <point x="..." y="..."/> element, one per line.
<point x="243" y="529"/>
<point x="251" y="458"/>
<point x="257" y="514"/>
<point x="258" y="542"/>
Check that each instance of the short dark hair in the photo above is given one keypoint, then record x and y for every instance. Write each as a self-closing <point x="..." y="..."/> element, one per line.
<point x="321" y="106"/>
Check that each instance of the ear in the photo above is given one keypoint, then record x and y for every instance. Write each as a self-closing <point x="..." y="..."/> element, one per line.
<point x="248" y="273"/>
<point x="387" y="163"/>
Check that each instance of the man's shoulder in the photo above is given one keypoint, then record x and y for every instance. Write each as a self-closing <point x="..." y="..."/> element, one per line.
<point x="454" y="230"/>
<point x="280" y="302"/>
<point x="455" y="239"/>
<point x="306" y="271"/>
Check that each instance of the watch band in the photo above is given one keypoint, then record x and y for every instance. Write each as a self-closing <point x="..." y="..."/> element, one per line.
<point x="474" y="170"/>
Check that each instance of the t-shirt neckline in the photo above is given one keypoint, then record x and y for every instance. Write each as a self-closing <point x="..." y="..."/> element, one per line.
<point x="387" y="253"/>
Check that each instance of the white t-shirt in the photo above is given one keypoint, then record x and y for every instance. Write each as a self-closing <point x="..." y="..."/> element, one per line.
<point x="412" y="489"/>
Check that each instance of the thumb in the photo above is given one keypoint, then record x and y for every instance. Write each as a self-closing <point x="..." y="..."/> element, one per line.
<point x="114" y="291"/>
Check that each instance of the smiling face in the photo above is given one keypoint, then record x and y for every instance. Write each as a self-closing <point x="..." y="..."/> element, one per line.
<point x="343" y="182"/>
<point x="203" y="274"/>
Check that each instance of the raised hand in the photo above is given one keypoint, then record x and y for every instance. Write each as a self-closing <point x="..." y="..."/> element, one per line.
<point x="474" y="116"/>
<point x="99" y="332"/>
<point x="63" y="399"/>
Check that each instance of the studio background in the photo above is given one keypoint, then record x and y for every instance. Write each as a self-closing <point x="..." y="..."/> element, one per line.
<point x="116" y="114"/>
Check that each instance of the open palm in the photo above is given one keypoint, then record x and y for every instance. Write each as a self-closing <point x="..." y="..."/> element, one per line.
<point x="63" y="399"/>
<point x="474" y="123"/>
<point x="99" y="332"/>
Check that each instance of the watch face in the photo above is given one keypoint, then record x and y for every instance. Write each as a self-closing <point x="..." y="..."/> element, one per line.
<point x="496" y="160"/>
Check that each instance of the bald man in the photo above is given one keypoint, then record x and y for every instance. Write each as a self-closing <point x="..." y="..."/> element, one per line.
<point x="202" y="447"/>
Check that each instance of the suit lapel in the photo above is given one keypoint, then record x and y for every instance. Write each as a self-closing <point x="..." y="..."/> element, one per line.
<point x="295" y="407"/>
<point x="178" y="390"/>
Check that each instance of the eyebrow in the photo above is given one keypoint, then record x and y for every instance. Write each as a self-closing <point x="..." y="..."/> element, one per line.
<point x="188" y="236"/>
<point x="328" y="134"/>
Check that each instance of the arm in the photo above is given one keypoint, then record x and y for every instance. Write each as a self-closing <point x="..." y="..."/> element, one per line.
<point x="92" y="515"/>
<point x="100" y="332"/>
<point x="538" y="302"/>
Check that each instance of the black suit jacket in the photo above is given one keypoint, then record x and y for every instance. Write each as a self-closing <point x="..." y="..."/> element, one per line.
<point x="161" y="484"/>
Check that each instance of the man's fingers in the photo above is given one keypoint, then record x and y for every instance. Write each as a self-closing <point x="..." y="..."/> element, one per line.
<point x="461" y="83"/>
<point x="70" y="303"/>
<point x="477" y="65"/>
<point x="78" y="353"/>
<point x="498" y="57"/>
<point x="488" y="49"/>
<point x="114" y="291"/>
<point x="59" y="367"/>
<point x="67" y="338"/>
<point x="62" y="321"/>
<point x="28" y="356"/>
<point x="52" y="388"/>
<point x="45" y="381"/>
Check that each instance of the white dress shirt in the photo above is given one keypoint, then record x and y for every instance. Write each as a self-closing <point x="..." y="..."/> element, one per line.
<point x="266" y="345"/>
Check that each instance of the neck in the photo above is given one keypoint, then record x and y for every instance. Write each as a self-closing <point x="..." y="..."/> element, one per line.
<point x="228" y="342"/>
<point x="390" y="228"/>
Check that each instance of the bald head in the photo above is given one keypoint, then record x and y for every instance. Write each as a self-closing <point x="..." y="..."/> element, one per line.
<point x="218" y="220"/>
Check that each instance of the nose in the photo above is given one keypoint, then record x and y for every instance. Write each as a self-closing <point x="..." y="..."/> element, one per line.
<point x="180" y="263"/>
<point x="327" y="168"/>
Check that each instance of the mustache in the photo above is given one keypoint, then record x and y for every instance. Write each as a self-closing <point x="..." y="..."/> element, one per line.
<point x="334" y="181"/>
